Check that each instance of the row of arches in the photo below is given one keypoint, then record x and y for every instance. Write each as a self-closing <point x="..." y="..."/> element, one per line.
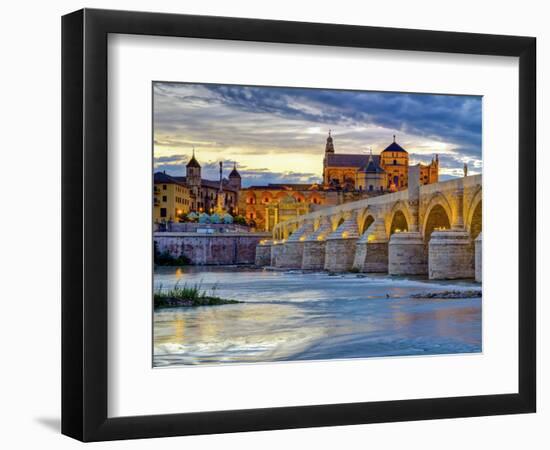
<point x="438" y="217"/>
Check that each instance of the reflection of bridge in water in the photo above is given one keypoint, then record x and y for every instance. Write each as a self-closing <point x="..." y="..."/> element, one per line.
<point x="433" y="229"/>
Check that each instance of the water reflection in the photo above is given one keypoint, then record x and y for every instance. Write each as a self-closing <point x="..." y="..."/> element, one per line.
<point x="294" y="316"/>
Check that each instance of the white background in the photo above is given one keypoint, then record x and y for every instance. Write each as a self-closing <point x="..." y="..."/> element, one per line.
<point x="138" y="390"/>
<point x="30" y="236"/>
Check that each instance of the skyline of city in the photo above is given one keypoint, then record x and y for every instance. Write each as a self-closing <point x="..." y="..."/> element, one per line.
<point x="278" y="134"/>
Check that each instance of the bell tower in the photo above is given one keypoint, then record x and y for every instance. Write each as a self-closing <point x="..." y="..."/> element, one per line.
<point x="329" y="150"/>
<point x="193" y="173"/>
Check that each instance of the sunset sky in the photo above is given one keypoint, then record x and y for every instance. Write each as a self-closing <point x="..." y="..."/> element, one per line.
<point x="278" y="134"/>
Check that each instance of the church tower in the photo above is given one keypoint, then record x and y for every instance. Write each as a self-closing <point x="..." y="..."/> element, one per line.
<point x="329" y="150"/>
<point x="235" y="178"/>
<point x="193" y="174"/>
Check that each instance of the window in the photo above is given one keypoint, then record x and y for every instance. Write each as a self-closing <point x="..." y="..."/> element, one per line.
<point x="163" y="187"/>
<point x="164" y="198"/>
<point x="371" y="187"/>
<point x="162" y="212"/>
<point x="395" y="162"/>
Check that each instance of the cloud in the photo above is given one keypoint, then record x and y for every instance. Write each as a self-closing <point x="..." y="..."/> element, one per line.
<point x="289" y="125"/>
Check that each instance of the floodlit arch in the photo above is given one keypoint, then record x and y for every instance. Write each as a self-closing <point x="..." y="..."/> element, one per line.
<point x="474" y="221"/>
<point x="436" y="219"/>
<point x="266" y="197"/>
<point x="399" y="222"/>
<point x="250" y="198"/>
<point x="399" y="218"/>
<point x="366" y="223"/>
<point x="438" y="215"/>
<point x="336" y="221"/>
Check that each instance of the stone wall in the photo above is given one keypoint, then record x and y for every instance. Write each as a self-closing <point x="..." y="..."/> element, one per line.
<point x="451" y="255"/>
<point x="407" y="255"/>
<point x="211" y="249"/>
<point x="478" y="257"/>
<point x="339" y="254"/>
<point x="292" y="255"/>
<point x="314" y="255"/>
<point x="263" y="254"/>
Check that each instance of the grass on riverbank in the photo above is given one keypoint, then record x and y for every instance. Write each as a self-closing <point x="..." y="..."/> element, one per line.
<point x="188" y="296"/>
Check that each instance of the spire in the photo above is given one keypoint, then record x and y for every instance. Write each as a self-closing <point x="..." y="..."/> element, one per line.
<point x="394" y="138"/>
<point x="193" y="162"/>
<point x="329" y="148"/>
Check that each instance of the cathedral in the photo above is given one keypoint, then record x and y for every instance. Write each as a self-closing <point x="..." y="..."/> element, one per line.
<point x="387" y="172"/>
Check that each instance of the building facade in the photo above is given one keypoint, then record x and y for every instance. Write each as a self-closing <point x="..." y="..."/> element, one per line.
<point x="387" y="172"/>
<point x="171" y="198"/>
<point x="192" y="193"/>
<point x="266" y="206"/>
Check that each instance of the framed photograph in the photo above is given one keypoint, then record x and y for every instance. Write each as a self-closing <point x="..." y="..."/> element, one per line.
<point x="273" y="224"/>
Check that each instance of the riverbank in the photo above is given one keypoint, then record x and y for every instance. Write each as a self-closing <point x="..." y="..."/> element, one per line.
<point x="188" y="296"/>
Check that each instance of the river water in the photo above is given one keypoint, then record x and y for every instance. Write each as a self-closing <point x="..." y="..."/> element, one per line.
<point x="290" y="316"/>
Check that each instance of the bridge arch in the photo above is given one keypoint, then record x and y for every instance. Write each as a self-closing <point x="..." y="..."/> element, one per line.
<point x="366" y="221"/>
<point x="474" y="220"/>
<point x="438" y="215"/>
<point x="336" y="221"/>
<point x="399" y="218"/>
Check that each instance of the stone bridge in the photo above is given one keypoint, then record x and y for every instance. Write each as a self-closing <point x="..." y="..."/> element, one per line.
<point x="432" y="230"/>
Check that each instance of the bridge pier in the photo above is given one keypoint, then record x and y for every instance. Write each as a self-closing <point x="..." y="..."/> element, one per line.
<point x="371" y="250"/>
<point x="407" y="254"/>
<point x="294" y="248"/>
<point x="371" y="257"/>
<point x="451" y="255"/>
<point x="478" y="246"/>
<point x="340" y="248"/>
<point x="263" y="254"/>
<point x="313" y="257"/>
<point x="277" y="249"/>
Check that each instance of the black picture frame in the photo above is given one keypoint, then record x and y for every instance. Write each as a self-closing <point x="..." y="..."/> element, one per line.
<point x="84" y="224"/>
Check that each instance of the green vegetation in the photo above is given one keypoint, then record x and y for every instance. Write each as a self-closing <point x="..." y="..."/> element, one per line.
<point x="188" y="296"/>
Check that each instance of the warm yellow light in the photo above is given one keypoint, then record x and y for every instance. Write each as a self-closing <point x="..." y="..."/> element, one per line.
<point x="320" y="238"/>
<point x="302" y="238"/>
<point x="370" y="238"/>
<point x="345" y="234"/>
